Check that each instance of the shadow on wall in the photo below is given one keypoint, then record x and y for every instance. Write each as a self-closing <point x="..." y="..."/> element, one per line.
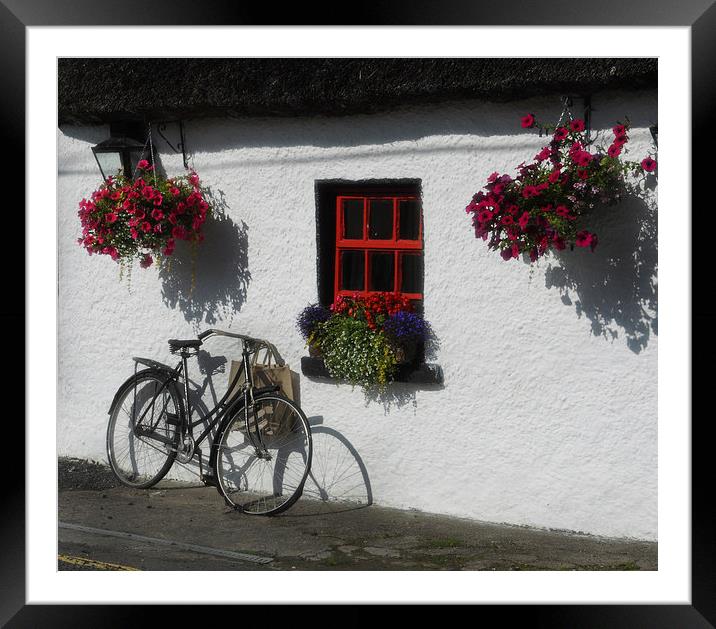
<point x="219" y="268"/>
<point x="338" y="480"/>
<point x="616" y="286"/>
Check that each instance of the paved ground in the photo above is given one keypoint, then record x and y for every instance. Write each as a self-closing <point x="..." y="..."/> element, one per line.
<point x="187" y="527"/>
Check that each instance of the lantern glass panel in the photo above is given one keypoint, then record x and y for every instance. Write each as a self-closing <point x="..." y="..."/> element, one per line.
<point x="110" y="163"/>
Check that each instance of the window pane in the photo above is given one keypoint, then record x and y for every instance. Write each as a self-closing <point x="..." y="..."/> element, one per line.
<point x="412" y="273"/>
<point x="381" y="219"/>
<point x="353" y="219"/>
<point x="409" y="220"/>
<point x="382" y="268"/>
<point x="352" y="270"/>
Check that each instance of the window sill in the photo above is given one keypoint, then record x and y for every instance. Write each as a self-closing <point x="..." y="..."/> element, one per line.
<point x="424" y="373"/>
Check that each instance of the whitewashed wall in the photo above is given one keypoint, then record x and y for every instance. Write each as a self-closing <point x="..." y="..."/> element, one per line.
<point x="548" y="414"/>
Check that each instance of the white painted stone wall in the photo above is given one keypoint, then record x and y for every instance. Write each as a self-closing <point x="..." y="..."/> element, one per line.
<point x="548" y="414"/>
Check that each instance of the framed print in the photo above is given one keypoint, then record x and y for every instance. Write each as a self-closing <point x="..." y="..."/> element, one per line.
<point x="361" y="196"/>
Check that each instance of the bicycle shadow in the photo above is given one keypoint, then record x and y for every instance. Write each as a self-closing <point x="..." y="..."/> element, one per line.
<point x="210" y="282"/>
<point x="338" y="480"/>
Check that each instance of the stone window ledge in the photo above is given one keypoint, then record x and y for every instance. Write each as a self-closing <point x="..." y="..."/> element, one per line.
<point x="424" y="373"/>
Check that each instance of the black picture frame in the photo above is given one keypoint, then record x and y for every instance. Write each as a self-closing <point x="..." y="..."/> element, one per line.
<point x="700" y="15"/>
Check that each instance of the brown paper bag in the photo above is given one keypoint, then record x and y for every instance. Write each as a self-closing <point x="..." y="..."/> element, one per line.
<point x="267" y="373"/>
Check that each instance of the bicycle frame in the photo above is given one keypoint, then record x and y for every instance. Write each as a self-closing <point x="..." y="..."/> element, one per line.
<point x="228" y="402"/>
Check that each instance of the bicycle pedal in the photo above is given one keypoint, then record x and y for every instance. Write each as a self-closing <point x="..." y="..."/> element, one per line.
<point x="209" y="480"/>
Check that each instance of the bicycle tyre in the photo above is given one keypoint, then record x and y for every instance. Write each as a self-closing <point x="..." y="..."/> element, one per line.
<point x="141" y="461"/>
<point x="259" y="485"/>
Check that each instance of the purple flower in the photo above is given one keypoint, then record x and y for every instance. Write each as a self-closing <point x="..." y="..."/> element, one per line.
<point x="310" y="317"/>
<point x="407" y="327"/>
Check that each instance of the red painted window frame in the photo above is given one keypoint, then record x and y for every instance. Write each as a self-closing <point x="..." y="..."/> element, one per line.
<point x="395" y="244"/>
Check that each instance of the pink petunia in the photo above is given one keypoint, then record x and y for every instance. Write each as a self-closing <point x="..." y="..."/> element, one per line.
<point x="484" y="216"/>
<point x="524" y="220"/>
<point x="528" y="121"/>
<point x="561" y="134"/>
<point x="648" y="164"/>
<point x="544" y="154"/>
<point x="614" y="150"/>
<point x="577" y="125"/>
<point x="157" y="214"/>
<point x="584" y="239"/>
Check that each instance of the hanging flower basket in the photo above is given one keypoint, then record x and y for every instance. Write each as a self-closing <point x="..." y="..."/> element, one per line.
<point x="364" y="340"/>
<point x="127" y="219"/>
<point x="544" y="207"/>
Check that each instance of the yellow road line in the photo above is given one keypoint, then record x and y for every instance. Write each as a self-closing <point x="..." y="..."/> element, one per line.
<point x="93" y="563"/>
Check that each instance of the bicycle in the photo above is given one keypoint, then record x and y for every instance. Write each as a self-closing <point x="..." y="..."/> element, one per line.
<point x="261" y="446"/>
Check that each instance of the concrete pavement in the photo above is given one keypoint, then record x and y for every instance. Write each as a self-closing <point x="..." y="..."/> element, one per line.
<point x="188" y="527"/>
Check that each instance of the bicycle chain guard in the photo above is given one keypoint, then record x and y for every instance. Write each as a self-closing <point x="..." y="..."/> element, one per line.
<point x="186" y="452"/>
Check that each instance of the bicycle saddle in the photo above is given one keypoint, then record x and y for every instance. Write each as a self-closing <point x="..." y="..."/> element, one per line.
<point x="176" y="344"/>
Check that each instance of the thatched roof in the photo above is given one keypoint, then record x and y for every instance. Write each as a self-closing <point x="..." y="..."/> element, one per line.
<point x="101" y="90"/>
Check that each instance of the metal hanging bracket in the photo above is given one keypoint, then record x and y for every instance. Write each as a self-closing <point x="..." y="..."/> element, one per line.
<point x="181" y="146"/>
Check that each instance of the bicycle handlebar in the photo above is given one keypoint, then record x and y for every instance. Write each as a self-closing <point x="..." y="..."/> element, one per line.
<point x="243" y="337"/>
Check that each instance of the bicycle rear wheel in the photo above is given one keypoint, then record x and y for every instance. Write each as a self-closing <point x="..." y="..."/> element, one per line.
<point x="261" y="469"/>
<point x="143" y="430"/>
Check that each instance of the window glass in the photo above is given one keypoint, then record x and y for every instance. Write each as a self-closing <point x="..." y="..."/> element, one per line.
<point x="353" y="219"/>
<point x="382" y="271"/>
<point x="352" y="270"/>
<point x="412" y="273"/>
<point x="380" y="225"/>
<point x="409" y="228"/>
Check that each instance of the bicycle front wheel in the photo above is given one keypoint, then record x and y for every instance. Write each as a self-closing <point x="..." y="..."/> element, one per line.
<point x="143" y="430"/>
<point x="261" y="464"/>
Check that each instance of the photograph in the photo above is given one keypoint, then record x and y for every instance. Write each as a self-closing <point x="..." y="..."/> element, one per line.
<point x="440" y="276"/>
<point x="359" y="314"/>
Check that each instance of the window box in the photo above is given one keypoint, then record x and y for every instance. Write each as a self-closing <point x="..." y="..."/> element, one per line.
<point x="423" y="373"/>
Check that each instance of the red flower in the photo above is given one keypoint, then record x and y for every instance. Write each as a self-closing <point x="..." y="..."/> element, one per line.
<point x="584" y="239"/>
<point x="554" y="176"/>
<point x="583" y="158"/>
<point x="507" y="220"/>
<point x="614" y="150"/>
<point x="484" y="216"/>
<point x="146" y="261"/>
<point x="528" y="121"/>
<point x="111" y="217"/>
<point x="524" y="220"/>
<point x="543" y="154"/>
<point x="621" y="139"/>
<point x="561" y="134"/>
<point x="648" y="164"/>
<point x="620" y="129"/>
<point x="582" y="173"/>
<point x="157" y="214"/>
<point x="577" y="125"/>
<point x="562" y="210"/>
<point x="143" y="164"/>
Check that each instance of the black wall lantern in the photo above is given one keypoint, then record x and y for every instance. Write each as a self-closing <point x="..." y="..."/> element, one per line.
<point x="122" y="151"/>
